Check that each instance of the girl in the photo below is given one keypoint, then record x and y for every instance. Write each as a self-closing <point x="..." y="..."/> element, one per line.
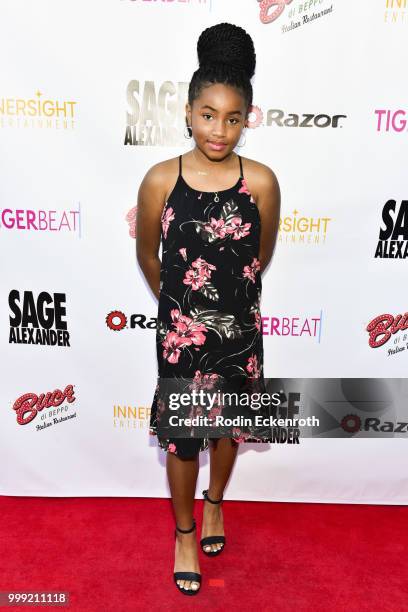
<point x="216" y="242"/>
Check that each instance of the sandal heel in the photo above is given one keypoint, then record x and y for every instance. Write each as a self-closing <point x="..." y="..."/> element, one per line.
<point x="212" y="539"/>
<point x="193" y="576"/>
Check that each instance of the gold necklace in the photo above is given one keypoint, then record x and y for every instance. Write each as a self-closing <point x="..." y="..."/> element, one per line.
<point x="200" y="171"/>
<point x="216" y="198"/>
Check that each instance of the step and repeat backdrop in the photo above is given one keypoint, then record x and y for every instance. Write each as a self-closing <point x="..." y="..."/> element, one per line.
<point x="92" y="95"/>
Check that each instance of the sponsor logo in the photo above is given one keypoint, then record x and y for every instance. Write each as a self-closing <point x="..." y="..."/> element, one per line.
<point x="131" y="417"/>
<point x="295" y="229"/>
<point x="382" y="328"/>
<point x="29" y="405"/>
<point x="38" y="112"/>
<point x="293" y="16"/>
<point x="293" y="326"/>
<point x="39" y="320"/>
<point x="352" y="423"/>
<point x="396" y="11"/>
<point x="391" y="120"/>
<point x="393" y="236"/>
<point x="29" y="220"/>
<point x="116" y="320"/>
<point x="277" y="117"/>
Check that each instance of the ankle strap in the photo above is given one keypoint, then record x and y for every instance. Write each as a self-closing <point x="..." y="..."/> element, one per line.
<point x="187" y="530"/>
<point x="212" y="501"/>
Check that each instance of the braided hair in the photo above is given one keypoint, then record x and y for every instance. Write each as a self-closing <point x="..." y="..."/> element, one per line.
<point x="226" y="55"/>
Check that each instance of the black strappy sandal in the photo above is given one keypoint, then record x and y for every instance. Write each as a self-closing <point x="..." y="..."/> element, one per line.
<point x="193" y="576"/>
<point x="212" y="539"/>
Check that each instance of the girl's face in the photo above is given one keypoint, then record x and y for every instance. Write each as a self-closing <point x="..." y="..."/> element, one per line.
<point x="217" y="118"/>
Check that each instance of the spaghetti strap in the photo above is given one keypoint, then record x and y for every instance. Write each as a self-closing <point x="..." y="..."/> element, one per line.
<point x="179" y="165"/>
<point x="240" y="165"/>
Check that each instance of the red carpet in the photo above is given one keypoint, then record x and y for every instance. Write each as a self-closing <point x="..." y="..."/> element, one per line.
<point x="117" y="554"/>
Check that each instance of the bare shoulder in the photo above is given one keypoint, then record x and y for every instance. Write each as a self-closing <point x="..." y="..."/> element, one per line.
<point x="151" y="199"/>
<point x="260" y="179"/>
<point x="160" y="179"/>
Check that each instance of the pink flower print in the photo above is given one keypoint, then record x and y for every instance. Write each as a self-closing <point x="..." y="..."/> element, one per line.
<point x="166" y="217"/>
<point x="204" y="266"/>
<point x="192" y="333"/>
<point x="215" y="411"/>
<point x="172" y="345"/>
<point x="216" y="228"/>
<point x="195" y="278"/>
<point x="204" y="381"/>
<point x="252" y="366"/>
<point x="183" y="253"/>
<point x="242" y="435"/>
<point x="256" y="264"/>
<point x="244" y="187"/>
<point x="186" y="328"/>
<point x="250" y="271"/>
<point x="175" y="314"/>
<point x="187" y="333"/>
<point x="172" y="448"/>
<point x="195" y="411"/>
<point x="198" y="376"/>
<point x="238" y="229"/>
<point x="258" y="320"/>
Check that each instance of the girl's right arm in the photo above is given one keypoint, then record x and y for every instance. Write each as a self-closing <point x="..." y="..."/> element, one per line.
<point x="150" y="204"/>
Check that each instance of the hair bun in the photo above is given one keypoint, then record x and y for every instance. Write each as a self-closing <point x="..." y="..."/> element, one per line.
<point x="228" y="44"/>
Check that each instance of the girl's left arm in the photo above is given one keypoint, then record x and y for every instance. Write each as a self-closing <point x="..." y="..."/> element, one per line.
<point x="268" y="202"/>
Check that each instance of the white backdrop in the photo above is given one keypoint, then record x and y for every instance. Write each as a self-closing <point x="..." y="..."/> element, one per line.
<point x="77" y="81"/>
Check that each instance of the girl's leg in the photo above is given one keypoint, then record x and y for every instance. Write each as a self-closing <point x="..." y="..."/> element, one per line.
<point x="223" y="452"/>
<point x="182" y="476"/>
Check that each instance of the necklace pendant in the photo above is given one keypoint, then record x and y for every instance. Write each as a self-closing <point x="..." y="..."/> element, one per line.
<point x="216" y="198"/>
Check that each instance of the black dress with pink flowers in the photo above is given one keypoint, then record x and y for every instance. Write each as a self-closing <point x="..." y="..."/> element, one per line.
<point x="209" y="319"/>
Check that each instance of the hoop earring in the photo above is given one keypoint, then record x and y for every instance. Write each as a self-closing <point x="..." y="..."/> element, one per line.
<point x="241" y="145"/>
<point x="189" y="130"/>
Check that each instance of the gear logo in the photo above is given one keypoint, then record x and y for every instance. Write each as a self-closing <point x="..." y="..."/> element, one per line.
<point x="351" y="423"/>
<point x="112" y="320"/>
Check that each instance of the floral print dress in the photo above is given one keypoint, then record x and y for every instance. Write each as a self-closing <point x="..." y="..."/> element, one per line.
<point x="209" y="319"/>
